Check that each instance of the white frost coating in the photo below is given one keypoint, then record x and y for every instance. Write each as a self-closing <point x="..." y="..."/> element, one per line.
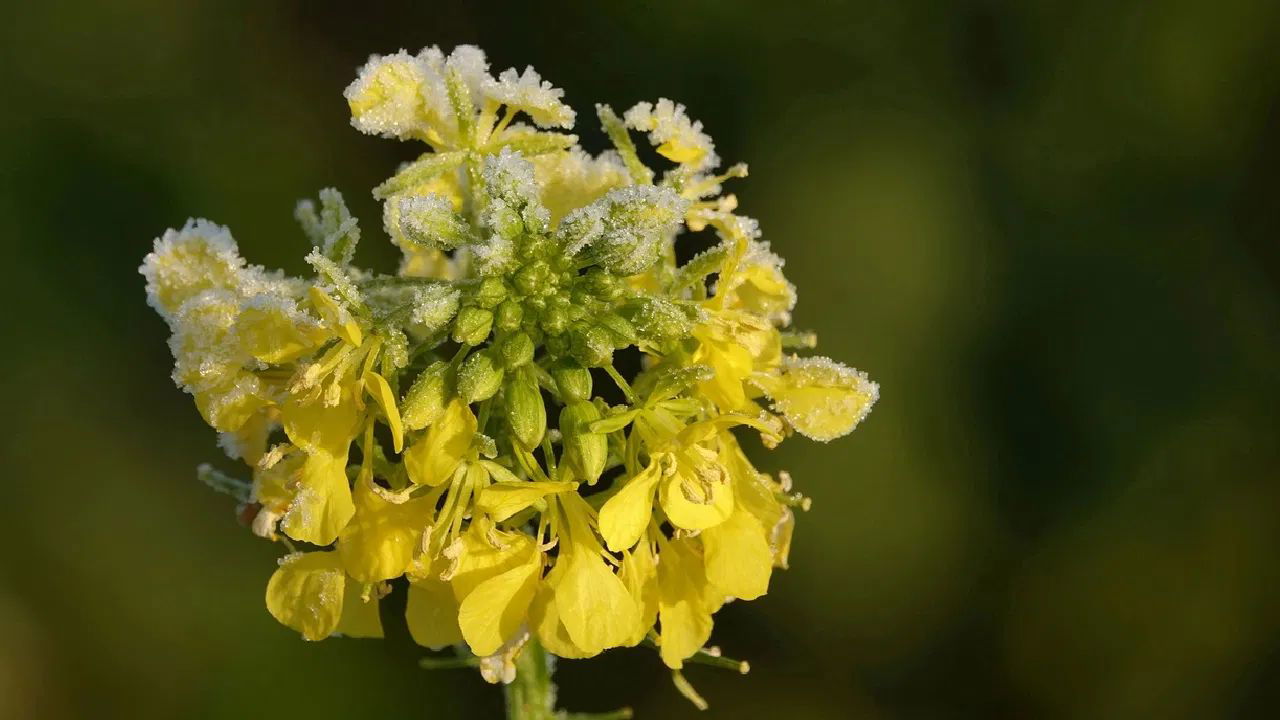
<point x="393" y="96"/>
<point x="470" y="64"/>
<point x="760" y="259"/>
<point x="574" y="179"/>
<point x="510" y="183"/>
<point x="667" y="124"/>
<point x="508" y="175"/>
<point x="626" y="227"/>
<point x="531" y="94"/>
<point x="184" y="263"/>
<point x="434" y="306"/>
<point x="429" y="220"/>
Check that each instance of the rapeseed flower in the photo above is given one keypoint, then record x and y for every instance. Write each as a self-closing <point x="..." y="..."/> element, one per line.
<point x="443" y="425"/>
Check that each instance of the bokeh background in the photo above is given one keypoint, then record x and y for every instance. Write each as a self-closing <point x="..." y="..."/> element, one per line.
<point x="1049" y="230"/>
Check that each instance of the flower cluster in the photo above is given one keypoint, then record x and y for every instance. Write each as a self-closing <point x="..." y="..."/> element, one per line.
<point x="463" y="423"/>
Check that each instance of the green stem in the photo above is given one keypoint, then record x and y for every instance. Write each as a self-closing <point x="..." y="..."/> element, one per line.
<point x="532" y="696"/>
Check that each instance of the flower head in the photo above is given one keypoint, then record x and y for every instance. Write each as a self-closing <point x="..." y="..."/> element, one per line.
<point x="534" y="422"/>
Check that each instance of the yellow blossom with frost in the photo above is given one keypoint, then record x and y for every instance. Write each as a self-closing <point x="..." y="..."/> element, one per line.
<point x="438" y="431"/>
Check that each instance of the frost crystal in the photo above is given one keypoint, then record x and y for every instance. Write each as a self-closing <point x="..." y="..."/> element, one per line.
<point x="678" y="138"/>
<point x="533" y="95"/>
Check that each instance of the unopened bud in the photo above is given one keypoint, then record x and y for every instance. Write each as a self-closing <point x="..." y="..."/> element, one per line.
<point x="472" y="325"/>
<point x="573" y="381"/>
<point x="479" y="378"/>
<point x="426" y="399"/>
<point x="525" y="411"/>
<point x="585" y="452"/>
<point x="509" y="315"/>
<point x="517" y="350"/>
<point x="592" y="346"/>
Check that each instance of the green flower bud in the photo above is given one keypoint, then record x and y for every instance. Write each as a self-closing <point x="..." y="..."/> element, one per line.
<point x="617" y="326"/>
<point x="472" y="325"/>
<point x="505" y="221"/>
<point x="490" y="292"/>
<point x="517" y="350"/>
<point x="532" y="278"/>
<point x="555" y="320"/>
<point x="585" y="452"/>
<point x="509" y="315"/>
<point x="480" y="377"/>
<point x="659" y="320"/>
<point x="557" y="345"/>
<point x="573" y="381"/>
<point x="526" y="413"/>
<point x="425" y="401"/>
<point x="592" y="346"/>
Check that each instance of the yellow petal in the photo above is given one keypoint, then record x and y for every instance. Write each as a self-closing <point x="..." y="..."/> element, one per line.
<point x="359" y="616"/>
<point x="504" y="499"/>
<point x="682" y="607"/>
<point x="731" y="364"/>
<point x="625" y="516"/>
<point x="313" y="426"/>
<point x="228" y="406"/>
<point x="380" y="389"/>
<point x="322" y="505"/>
<point x="379" y="541"/>
<point x="544" y="618"/>
<point x="335" y="317"/>
<point x="821" y="398"/>
<point x="306" y="593"/>
<point x="640" y="574"/>
<point x="274" y="487"/>
<point x="432" y="613"/>
<point x="594" y="604"/>
<point x="274" y="331"/>
<point x="751" y="490"/>
<point x="495" y="610"/>
<point x="739" y="559"/>
<point x="433" y="458"/>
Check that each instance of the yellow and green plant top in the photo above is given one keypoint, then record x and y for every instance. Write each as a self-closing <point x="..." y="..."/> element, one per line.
<point x="533" y="421"/>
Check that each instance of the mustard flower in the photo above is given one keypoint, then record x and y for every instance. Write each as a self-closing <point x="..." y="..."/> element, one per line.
<point x="441" y="429"/>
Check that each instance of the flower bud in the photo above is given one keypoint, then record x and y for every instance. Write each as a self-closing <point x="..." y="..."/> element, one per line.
<point x="509" y="315"/>
<point x="426" y="399"/>
<point x="573" y="381"/>
<point x="585" y="452"/>
<point x="480" y="377"/>
<point x="525" y="412"/>
<point x="618" y="327"/>
<point x="472" y="325"/>
<point x="490" y="292"/>
<point x="592" y="346"/>
<point x="517" y="350"/>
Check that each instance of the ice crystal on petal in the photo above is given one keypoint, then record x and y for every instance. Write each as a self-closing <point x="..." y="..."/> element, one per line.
<point x="677" y="138"/>
<point x="533" y="95"/>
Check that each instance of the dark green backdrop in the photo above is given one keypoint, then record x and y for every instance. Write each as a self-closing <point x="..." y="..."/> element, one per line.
<point x="1049" y="231"/>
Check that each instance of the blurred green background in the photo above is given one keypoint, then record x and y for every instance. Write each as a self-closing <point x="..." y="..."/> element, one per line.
<point x="1049" y="231"/>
